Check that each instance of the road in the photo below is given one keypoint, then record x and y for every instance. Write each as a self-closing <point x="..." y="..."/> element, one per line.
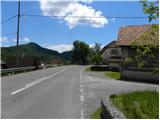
<point x="49" y="93"/>
<point x="60" y="92"/>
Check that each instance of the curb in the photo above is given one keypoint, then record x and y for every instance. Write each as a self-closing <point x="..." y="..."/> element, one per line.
<point x="109" y="111"/>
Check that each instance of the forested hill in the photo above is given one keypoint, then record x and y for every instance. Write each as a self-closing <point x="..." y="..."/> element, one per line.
<point x="33" y="50"/>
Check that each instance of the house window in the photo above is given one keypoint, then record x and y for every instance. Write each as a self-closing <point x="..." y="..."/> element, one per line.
<point x="114" y="51"/>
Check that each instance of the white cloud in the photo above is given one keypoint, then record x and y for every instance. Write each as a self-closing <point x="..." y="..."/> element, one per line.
<point x="26" y="40"/>
<point x="86" y="1"/>
<point x="60" y="48"/>
<point x="92" y="45"/>
<point x="72" y="8"/>
<point x="4" y="39"/>
<point x="23" y="40"/>
<point x="63" y="47"/>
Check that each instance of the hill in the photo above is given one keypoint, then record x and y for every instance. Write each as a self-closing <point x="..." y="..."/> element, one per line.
<point x="67" y="55"/>
<point x="32" y="50"/>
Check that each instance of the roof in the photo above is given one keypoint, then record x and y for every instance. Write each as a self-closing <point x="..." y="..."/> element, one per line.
<point x="109" y="45"/>
<point x="127" y="35"/>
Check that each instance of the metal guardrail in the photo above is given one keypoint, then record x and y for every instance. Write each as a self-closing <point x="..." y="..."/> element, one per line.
<point x="25" y="68"/>
<point x="17" y="69"/>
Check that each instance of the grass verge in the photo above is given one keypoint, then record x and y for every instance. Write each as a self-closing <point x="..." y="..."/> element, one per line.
<point x="138" y="105"/>
<point x="96" y="114"/>
<point x="114" y="75"/>
<point x="88" y="69"/>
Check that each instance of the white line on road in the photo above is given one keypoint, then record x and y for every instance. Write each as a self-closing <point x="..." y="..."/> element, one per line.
<point x="82" y="114"/>
<point x="81" y="90"/>
<point x="81" y="86"/>
<point x="81" y="96"/>
<point x="36" y="82"/>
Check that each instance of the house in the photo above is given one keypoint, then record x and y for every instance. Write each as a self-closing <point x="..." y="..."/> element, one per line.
<point x="111" y="55"/>
<point x="126" y="37"/>
<point x="56" y="61"/>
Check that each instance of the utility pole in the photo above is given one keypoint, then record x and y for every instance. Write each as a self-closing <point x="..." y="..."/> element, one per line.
<point x="17" y="47"/>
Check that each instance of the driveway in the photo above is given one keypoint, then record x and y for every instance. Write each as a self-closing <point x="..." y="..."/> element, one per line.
<point x="97" y="86"/>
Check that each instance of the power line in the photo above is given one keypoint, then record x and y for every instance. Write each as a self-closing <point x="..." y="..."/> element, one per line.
<point x="8" y="33"/>
<point x="32" y="15"/>
<point x="10" y="18"/>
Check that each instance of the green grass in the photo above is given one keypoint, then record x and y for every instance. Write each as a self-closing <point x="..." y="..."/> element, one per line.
<point x="96" y="114"/>
<point x="88" y="69"/>
<point x="138" y="105"/>
<point x="114" y="75"/>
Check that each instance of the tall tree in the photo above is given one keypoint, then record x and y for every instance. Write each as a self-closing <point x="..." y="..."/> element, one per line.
<point x="95" y="56"/>
<point x="80" y="52"/>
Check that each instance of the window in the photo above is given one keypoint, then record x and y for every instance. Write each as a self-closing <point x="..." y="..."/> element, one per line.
<point x="114" y="51"/>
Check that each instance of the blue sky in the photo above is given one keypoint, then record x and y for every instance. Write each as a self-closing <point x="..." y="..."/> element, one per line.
<point x="59" y="34"/>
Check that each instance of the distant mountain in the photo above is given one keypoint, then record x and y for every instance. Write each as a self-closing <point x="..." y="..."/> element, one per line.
<point x="32" y="50"/>
<point x="67" y="55"/>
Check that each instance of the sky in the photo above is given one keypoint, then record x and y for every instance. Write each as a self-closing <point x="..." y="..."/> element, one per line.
<point x="96" y="22"/>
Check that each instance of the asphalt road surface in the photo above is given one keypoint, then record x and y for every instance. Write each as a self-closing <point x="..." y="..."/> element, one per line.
<point x="60" y="92"/>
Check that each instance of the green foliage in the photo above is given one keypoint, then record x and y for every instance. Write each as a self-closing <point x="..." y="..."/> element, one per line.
<point x="151" y="9"/>
<point x="147" y="47"/>
<point x="30" y="50"/>
<point x="114" y="75"/>
<point x="80" y="52"/>
<point x="138" y="105"/>
<point x="156" y="70"/>
<point x="67" y="56"/>
<point x="88" y="69"/>
<point x="96" y="114"/>
<point x="97" y="47"/>
<point x="128" y="61"/>
<point x="95" y="56"/>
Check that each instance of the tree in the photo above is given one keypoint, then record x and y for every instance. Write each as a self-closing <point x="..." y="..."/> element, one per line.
<point x="80" y="52"/>
<point x="95" y="56"/>
<point x="148" y="51"/>
<point x="151" y="9"/>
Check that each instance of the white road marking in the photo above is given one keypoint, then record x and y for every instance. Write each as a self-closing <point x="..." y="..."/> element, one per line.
<point x="81" y="96"/>
<point x="81" y="86"/>
<point x="81" y="77"/>
<point x="15" y="92"/>
<point x="36" y="82"/>
<point x="82" y="114"/>
<point x="81" y="90"/>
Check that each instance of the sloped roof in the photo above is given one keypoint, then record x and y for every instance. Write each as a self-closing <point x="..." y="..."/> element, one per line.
<point x="109" y="45"/>
<point x="127" y="35"/>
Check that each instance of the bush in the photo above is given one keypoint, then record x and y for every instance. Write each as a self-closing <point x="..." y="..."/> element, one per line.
<point x="99" y="68"/>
